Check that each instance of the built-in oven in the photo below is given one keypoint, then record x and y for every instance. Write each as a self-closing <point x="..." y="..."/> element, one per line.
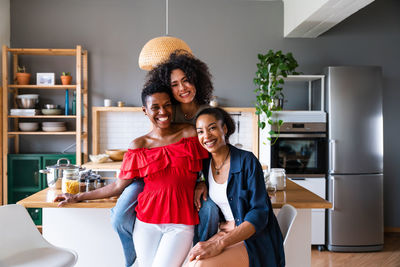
<point x="301" y="149"/>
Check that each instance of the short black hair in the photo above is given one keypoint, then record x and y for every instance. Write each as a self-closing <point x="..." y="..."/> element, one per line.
<point x="153" y="88"/>
<point x="221" y="115"/>
<point x="195" y="70"/>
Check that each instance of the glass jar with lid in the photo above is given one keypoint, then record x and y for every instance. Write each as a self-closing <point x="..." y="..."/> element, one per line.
<point x="277" y="178"/>
<point x="90" y="186"/>
<point x="100" y="183"/>
<point x="70" y="181"/>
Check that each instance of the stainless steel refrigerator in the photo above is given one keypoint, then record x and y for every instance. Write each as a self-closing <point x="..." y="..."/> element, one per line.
<point x="355" y="158"/>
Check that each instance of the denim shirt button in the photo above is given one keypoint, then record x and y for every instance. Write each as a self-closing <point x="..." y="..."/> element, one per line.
<point x="230" y="199"/>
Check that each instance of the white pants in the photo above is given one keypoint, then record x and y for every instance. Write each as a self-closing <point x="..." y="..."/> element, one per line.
<point x="160" y="245"/>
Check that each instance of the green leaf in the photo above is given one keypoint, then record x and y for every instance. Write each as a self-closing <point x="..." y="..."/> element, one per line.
<point x="280" y="122"/>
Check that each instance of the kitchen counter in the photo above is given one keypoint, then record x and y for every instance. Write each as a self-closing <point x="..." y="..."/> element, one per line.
<point x="85" y="225"/>
<point x="294" y="194"/>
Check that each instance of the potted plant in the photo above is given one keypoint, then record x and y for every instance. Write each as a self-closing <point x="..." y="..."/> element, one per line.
<point x="66" y="78"/>
<point x="22" y="76"/>
<point x="271" y="69"/>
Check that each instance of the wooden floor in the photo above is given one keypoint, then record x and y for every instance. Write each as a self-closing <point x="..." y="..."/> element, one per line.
<point x="389" y="257"/>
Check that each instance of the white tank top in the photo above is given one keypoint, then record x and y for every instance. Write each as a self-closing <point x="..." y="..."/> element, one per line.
<point x="218" y="194"/>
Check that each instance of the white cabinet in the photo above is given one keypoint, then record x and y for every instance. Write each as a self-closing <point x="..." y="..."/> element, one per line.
<point x="318" y="187"/>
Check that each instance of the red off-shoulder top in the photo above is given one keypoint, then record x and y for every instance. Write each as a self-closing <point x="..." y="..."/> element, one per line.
<point x="170" y="174"/>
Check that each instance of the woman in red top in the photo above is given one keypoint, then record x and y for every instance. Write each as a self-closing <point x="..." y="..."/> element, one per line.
<point x="168" y="159"/>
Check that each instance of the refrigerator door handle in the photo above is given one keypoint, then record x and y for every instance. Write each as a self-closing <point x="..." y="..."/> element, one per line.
<point x="333" y="193"/>
<point x="332" y="149"/>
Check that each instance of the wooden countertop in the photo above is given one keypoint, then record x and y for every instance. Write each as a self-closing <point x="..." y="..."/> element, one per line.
<point x="294" y="194"/>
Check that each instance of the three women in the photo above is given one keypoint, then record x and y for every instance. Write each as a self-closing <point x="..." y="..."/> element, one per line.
<point x="167" y="158"/>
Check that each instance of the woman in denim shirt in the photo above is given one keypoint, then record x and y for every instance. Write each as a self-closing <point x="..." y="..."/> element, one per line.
<point x="249" y="234"/>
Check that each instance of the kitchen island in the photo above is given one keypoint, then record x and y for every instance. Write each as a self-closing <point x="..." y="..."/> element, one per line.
<point x="85" y="227"/>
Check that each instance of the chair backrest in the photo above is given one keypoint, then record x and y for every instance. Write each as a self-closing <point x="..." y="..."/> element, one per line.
<point x="286" y="217"/>
<point x="17" y="231"/>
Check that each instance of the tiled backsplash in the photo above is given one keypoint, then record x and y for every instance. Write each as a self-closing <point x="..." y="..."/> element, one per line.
<point x="118" y="129"/>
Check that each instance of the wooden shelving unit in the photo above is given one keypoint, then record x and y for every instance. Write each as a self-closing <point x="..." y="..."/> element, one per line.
<point x="9" y="89"/>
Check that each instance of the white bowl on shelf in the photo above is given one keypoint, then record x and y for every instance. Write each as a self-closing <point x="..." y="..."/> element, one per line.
<point x="100" y="158"/>
<point x="28" y="126"/>
<point x="53" y="123"/>
<point x="54" y="128"/>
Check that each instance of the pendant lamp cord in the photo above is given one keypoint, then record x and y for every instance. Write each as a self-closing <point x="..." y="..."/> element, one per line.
<point x="166" y="17"/>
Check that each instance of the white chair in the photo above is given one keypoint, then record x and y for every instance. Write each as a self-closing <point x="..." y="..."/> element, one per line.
<point x="22" y="245"/>
<point x="286" y="217"/>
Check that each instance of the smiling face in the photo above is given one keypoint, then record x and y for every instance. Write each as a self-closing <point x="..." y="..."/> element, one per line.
<point x="182" y="90"/>
<point x="159" y="109"/>
<point x="211" y="133"/>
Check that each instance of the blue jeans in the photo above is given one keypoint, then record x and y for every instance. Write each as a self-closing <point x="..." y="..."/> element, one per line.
<point x="123" y="218"/>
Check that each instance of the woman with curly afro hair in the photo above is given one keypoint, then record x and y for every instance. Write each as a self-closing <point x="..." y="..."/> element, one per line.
<point x="190" y="83"/>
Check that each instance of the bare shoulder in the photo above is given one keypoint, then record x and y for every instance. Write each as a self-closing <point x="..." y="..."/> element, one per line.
<point x="187" y="130"/>
<point x="139" y="142"/>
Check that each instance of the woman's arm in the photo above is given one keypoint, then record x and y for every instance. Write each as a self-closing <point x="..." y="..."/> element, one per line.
<point x="216" y="244"/>
<point x="110" y="190"/>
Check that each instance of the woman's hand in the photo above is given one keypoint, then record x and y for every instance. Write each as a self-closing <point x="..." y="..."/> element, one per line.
<point x="206" y="249"/>
<point x="66" y="198"/>
<point x="200" y="190"/>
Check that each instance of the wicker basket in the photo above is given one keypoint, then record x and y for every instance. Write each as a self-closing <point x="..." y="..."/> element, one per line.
<point x="158" y="50"/>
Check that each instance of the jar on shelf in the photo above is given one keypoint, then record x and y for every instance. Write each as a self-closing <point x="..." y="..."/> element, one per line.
<point x="70" y="181"/>
<point x="277" y="178"/>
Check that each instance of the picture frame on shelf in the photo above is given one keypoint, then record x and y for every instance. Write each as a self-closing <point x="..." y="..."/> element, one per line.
<point x="45" y="78"/>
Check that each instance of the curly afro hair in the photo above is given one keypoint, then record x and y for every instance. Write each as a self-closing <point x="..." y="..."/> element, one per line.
<point x="195" y="70"/>
<point x="153" y="88"/>
<point x="220" y="115"/>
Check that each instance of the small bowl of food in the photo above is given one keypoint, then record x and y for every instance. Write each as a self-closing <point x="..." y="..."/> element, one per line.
<point x="100" y="158"/>
<point x="116" y="154"/>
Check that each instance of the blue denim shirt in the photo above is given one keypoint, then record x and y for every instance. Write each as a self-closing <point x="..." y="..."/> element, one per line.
<point x="249" y="201"/>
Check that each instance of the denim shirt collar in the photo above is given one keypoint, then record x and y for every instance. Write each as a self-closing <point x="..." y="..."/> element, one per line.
<point x="235" y="163"/>
<point x="235" y="159"/>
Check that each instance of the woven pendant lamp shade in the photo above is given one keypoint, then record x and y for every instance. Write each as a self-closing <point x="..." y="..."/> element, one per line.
<point x="158" y="50"/>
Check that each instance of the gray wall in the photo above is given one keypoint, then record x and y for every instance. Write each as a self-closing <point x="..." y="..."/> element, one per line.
<point x="4" y="25"/>
<point x="227" y="35"/>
